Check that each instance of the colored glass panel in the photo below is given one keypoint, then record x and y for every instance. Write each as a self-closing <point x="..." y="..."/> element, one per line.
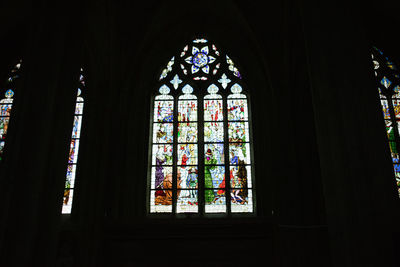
<point x="237" y="109"/>
<point x="214" y="154"/>
<point x="395" y="157"/>
<point x="187" y="132"/>
<point x="5" y="109"/>
<point x="161" y="177"/>
<point x="187" y="186"/>
<point x="215" y="201"/>
<point x="163" y="111"/>
<point x="238" y="131"/>
<point x="79" y="107"/>
<point x="161" y="201"/>
<point x="67" y="200"/>
<point x="187" y="201"/>
<point x="213" y="132"/>
<point x="163" y="133"/>
<point x="239" y="152"/>
<point x="3" y="126"/>
<point x="73" y="151"/>
<point x="1" y="148"/>
<point x="76" y="128"/>
<point x="187" y="154"/>
<point x="241" y="200"/>
<point x="188" y="176"/>
<point x="214" y="176"/>
<point x="240" y="176"/>
<point x="162" y="155"/>
<point x="213" y="110"/>
<point x="396" y="107"/>
<point x="385" y="108"/>
<point x="70" y="179"/>
<point x="187" y="110"/>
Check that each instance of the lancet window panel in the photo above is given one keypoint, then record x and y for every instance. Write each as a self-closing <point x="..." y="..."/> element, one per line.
<point x="388" y="83"/>
<point x="200" y="147"/>
<point x="70" y="178"/>
<point x="6" y="104"/>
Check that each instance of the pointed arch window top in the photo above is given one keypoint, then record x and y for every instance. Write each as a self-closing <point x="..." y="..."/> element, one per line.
<point x="199" y="60"/>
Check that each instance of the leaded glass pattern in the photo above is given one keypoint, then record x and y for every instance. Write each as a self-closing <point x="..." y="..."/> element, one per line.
<point x="200" y="149"/>
<point x="388" y="83"/>
<point x="6" y="105"/>
<point x="74" y="149"/>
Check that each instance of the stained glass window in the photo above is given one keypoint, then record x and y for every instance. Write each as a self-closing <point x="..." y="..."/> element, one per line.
<point x="74" y="148"/>
<point x="6" y="105"/>
<point x="200" y="153"/>
<point x="388" y="83"/>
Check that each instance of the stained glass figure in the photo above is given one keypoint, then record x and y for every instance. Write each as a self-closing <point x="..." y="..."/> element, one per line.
<point x="74" y="148"/>
<point x="239" y="151"/>
<point x="6" y="105"/>
<point x="388" y="84"/>
<point x="162" y="152"/>
<point x="200" y="151"/>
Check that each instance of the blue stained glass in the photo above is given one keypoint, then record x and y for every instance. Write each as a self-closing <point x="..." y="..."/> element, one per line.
<point x="76" y="129"/>
<point x="195" y="69"/>
<point x="205" y="50"/>
<point x="239" y="152"/>
<point x="386" y="82"/>
<point x="200" y="60"/>
<point x="5" y="110"/>
<point x="163" y="111"/>
<point x="396" y="167"/>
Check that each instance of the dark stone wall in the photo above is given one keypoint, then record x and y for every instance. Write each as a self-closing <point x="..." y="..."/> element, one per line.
<point x="325" y="188"/>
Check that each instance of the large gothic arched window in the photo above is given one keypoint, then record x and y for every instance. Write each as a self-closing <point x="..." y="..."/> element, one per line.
<point x="388" y="80"/>
<point x="6" y="105"/>
<point x="200" y="156"/>
<point x="74" y="148"/>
